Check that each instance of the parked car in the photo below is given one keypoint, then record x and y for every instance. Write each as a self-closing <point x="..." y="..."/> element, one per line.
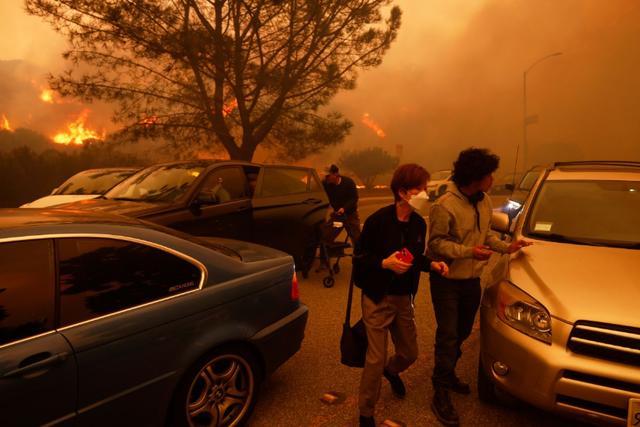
<point x="438" y="183"/>
<point x="84" y="185"/>
<point x="519" y="194"/>
<point x="106" y="320"/>
<point x="278" y="206"/>
<point x="562" y="331"/>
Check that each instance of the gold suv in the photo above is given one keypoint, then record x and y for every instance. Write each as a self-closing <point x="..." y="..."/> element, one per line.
<point x="562" y="331"/>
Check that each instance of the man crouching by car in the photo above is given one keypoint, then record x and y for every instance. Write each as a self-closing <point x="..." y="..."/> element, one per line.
<point x="387" y="264"/>
<point x="459" y="233"/>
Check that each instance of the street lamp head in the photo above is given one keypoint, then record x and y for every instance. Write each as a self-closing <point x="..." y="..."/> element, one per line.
<point x="551" y="55"/>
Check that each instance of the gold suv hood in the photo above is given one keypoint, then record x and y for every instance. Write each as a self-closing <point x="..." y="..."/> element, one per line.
<point x="576" y="282"/>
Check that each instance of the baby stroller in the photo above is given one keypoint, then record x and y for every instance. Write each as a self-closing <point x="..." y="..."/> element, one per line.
<point x="332" y="248"/>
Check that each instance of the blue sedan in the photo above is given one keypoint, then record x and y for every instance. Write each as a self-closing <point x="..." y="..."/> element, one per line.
<point x="106" y="320"/>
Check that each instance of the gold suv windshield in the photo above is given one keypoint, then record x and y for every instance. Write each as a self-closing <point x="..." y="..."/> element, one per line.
<point x="596" y="212"/>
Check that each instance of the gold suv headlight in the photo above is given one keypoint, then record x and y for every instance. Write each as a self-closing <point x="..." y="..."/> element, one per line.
<point x="522" y="312"/>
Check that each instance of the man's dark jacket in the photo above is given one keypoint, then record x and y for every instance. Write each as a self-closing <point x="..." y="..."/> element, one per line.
<point x="382" y="236"/>
<point x="343" y="195"/>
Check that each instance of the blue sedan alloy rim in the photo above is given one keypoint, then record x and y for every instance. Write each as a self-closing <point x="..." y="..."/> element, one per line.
<point x="221" y="393"/>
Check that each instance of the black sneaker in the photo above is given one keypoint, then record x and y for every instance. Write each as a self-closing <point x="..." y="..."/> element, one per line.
<point x="397" y="386"/>
<point x="443" y="409"/>
<point x="460" y="387"/>
<point x="367" y="422"/>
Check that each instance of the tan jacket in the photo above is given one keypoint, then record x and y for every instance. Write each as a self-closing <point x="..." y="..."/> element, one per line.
<point x="454" y="232"/>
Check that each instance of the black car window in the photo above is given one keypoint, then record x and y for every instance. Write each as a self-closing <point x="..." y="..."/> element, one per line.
<point x="225" y="185"/>
<point x="102" y="276"/>
<point x="314" y="185"/>
<point x="27" y="289"/>
<point x="282" y="181"/>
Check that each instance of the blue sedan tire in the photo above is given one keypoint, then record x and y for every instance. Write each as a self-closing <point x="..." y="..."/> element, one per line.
<point x="220" y="389"/>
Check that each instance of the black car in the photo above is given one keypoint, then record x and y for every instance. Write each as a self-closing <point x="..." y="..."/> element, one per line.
<point x="277" y="206"/>
<point x="111" y="321"/>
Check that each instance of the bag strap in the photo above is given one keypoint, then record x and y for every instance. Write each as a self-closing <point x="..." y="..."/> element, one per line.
<point x="347" y="319"/>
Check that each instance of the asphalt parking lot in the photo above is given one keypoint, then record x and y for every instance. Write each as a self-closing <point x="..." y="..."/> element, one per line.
<point x="291" y="397"/>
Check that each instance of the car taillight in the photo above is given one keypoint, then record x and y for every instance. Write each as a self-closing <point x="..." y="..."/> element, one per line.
<point x="295" y="290"/>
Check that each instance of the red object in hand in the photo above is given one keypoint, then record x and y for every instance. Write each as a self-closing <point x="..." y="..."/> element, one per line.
<point x="405" y="256"/>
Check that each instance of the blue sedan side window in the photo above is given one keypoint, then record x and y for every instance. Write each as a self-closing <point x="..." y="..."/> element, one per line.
<point x="26" y="289"/>
<point x="101" y="276"/>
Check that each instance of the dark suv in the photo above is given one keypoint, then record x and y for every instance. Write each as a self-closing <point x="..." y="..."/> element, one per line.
<point x="274" y="205"/>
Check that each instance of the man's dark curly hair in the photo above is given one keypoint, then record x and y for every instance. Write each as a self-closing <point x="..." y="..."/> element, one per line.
<point x="473" y="164"/>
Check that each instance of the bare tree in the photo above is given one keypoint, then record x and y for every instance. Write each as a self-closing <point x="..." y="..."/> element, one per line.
<point x="228" y="73"/>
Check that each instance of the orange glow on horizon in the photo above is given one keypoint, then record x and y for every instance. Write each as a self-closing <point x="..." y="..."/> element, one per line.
<point x="228" y="109"/>
<point x="371" y="124"/>
<point x="149" y="121"/>
<point x="76" y="132"/>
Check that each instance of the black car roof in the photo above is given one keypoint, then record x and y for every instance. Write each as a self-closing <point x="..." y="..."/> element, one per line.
<point x="210" y="162"/>
<point x="21" y="218"/>
<point x="118" y="169"/>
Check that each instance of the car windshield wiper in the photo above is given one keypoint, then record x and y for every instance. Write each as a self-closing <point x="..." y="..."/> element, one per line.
<point x="125" y="199"/>
<point x="561" y="238"/>
<point x="625" y="245"/>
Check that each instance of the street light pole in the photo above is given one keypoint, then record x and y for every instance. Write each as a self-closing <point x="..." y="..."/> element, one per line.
<point x="525" y="118"/>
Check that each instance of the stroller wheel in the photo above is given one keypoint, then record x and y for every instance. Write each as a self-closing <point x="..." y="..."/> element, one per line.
<point x="328" y="282"/>
<point x="336" y="268"/>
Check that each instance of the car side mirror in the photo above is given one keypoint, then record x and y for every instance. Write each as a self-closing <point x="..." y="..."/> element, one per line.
<point x="509" y="187"/>
<point x="206" y="198"/>
<point x="500" y="222"/>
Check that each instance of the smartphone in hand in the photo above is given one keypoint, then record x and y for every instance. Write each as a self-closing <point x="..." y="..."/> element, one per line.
<point x="405" y="256"/>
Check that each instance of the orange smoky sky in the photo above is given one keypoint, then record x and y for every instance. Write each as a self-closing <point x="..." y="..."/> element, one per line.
<point x="454" y="77"/>
<point x="28" y="38"/>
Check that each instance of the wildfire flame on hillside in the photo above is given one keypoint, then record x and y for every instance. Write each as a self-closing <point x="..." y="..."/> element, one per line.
<point x="77" y="133"/>
<point x="4" y="125"/>
<point x="371" y="124"/>
<point x="46" y="96"/>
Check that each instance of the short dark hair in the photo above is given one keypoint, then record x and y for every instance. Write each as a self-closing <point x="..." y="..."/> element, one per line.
<point x="333" y="169"/>
<point x="408" y="176"/>
<point x="473" y="165"/>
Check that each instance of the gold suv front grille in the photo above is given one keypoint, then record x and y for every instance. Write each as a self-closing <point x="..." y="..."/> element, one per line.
<point x="604" y="341"/>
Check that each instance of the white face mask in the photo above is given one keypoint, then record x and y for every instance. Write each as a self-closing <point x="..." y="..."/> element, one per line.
<point x="419" y="202"/>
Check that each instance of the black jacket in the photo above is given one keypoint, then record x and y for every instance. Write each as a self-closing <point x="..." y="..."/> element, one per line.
<point x="382" y="236"/>
<point x="343" y="195"/>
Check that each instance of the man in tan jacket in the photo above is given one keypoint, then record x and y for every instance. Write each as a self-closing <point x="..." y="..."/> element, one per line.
<point x="460" y="235"/>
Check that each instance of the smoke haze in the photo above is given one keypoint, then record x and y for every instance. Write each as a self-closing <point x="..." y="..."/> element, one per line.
<point x="454" y="79"/>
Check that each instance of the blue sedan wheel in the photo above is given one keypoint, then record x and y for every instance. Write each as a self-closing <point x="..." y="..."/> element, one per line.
<point x="221" y="390"/>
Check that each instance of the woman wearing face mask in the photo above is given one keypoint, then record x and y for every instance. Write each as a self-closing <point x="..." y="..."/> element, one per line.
<point x="389" y="258"/>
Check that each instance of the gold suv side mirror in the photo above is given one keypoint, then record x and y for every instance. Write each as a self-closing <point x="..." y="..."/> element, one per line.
<point x="500" y="222"/>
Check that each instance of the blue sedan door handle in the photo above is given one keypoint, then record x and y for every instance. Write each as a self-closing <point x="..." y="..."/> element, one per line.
<point x="35" y="362"/>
